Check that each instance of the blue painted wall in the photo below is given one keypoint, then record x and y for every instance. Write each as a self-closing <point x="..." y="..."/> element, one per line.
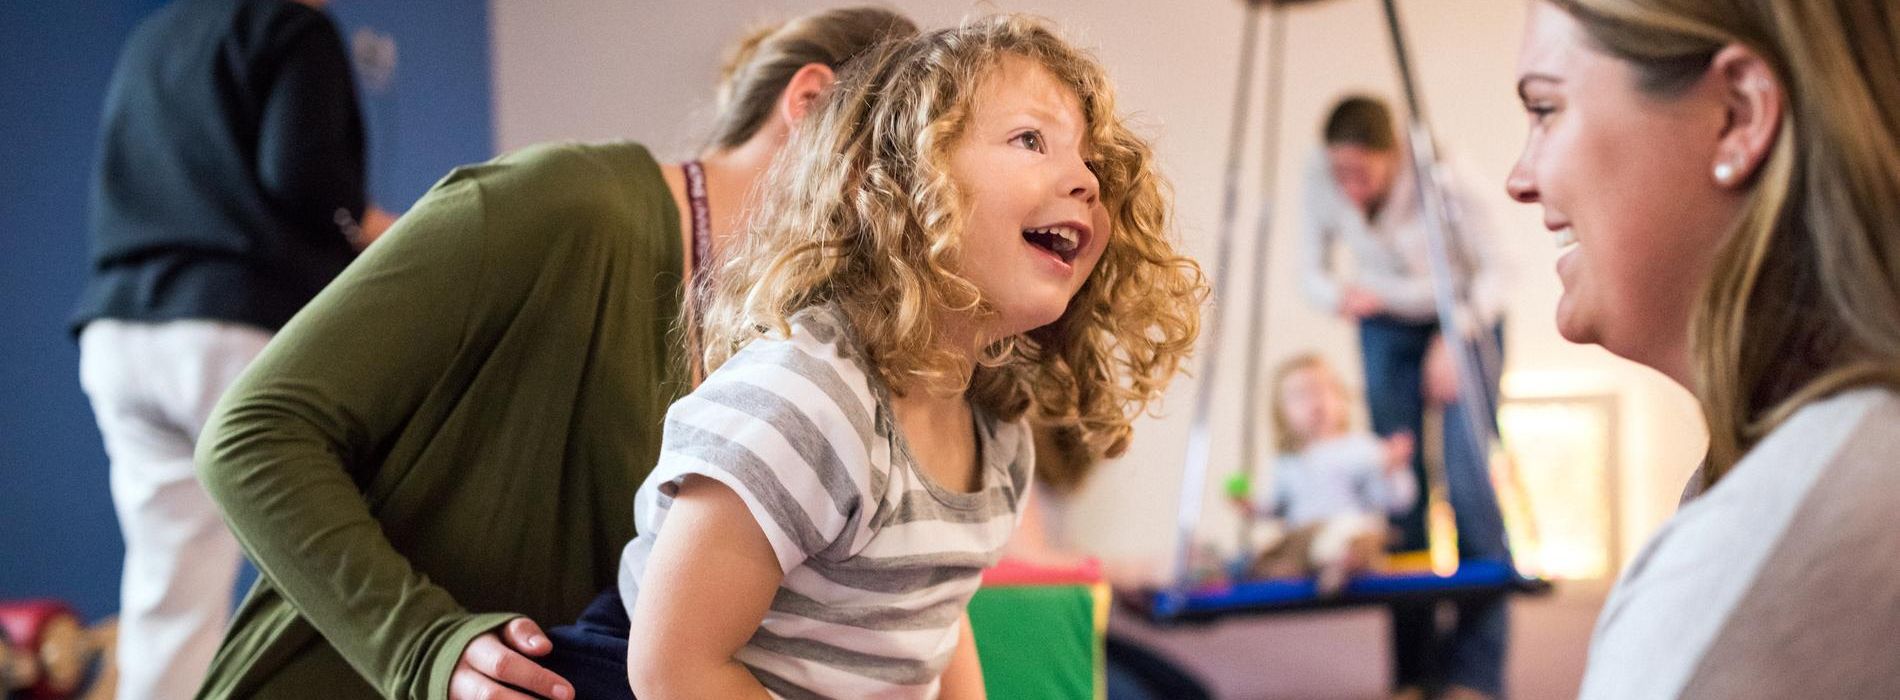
<point x="58" y="534"/>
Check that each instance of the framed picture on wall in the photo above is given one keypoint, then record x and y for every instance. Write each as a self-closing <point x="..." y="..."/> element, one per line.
<point x="1557" y="483"/>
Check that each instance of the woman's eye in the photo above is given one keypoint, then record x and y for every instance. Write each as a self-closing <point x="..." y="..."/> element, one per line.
<point x="1031" y="140"/>
<point x="1539" y="111"/>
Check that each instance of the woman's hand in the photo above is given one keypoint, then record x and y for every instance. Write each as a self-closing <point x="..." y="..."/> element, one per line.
<point x="1398" y="451"/>
<point x="1441" y="373"/>
<point x="496" y="666"/>
<point x="1357" y="303"/>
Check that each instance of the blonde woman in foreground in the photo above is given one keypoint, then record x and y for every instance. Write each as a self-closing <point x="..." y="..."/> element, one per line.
<point x="1726" y="177"/>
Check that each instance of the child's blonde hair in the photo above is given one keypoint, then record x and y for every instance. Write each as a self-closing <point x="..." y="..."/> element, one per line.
<point x="860" y="211"/>
<point x="1284" y="438"/>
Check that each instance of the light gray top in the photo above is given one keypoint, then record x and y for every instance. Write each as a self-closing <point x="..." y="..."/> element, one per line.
<point x="1390" y="252"/>
<point x="1781" y="581"/>
<point x="1342" y="476"/>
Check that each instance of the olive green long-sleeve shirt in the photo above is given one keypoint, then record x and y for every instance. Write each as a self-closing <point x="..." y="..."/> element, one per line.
<point x="451" y="434"/>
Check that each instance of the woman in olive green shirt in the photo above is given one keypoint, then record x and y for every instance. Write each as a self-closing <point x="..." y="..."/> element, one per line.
<point x="445" y="443"/>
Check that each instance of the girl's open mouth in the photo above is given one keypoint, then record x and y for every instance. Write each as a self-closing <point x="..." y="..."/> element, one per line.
<point x="1062" y="241"/>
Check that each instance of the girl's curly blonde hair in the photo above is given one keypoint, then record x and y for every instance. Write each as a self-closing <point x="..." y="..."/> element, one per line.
<point x="860" y="211"/>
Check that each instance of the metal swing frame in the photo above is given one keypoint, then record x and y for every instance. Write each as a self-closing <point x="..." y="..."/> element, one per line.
<point x="1475" y="360"/>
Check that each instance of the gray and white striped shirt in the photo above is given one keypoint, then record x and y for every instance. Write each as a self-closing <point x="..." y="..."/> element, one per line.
<point x="879" y="561"/>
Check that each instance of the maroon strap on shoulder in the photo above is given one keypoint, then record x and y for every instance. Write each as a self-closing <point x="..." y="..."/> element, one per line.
<point x="702" y="261"/>
<point x="702" y="218"/>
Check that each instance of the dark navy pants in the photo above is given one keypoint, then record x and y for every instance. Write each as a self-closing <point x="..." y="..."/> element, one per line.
<point x="1472" y="654"/>
<point x="592" y="653"/>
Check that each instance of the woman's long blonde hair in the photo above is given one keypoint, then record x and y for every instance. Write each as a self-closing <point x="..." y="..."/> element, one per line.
<point x="1805" y="296"/>
<point x="860" y="211"/>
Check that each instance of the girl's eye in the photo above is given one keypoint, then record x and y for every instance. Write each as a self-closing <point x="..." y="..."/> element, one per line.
<point x="1031" y="140"/>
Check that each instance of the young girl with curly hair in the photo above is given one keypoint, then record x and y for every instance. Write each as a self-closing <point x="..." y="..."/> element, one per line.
<point x="964" y="229"/>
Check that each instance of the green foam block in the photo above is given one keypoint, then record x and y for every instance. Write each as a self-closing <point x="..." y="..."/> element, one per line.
<point x="1041" y="641"/>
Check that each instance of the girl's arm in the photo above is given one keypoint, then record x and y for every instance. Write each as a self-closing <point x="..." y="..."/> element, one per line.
<point x="707" y="586"/>
<point x="963" y="678"/>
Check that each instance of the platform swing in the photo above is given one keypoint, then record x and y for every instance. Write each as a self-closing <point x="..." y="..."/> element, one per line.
<point x="1184" y="599"/>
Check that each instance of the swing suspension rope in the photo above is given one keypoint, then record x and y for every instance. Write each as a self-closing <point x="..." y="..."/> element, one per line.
<point x="1262" y="254"/>
<point x="1200" y="431"/>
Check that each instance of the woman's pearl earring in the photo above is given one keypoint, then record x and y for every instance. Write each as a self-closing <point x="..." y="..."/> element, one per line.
<point x="1724" y="173"/>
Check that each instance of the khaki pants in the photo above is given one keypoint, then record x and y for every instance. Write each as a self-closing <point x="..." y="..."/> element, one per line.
<point x="152" y="387"/>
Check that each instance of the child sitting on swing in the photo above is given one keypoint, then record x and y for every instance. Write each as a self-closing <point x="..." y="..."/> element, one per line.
<point x="1333" y="486"/>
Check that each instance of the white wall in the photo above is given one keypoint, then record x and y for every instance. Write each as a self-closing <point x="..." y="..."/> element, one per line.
<point x="593" y="69"/>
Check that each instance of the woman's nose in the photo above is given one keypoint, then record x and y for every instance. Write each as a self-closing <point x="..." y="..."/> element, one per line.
<point x="1520" y="184"/>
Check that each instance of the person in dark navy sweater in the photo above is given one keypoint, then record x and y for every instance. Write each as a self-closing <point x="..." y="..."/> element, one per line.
<point x="229" y="190"/>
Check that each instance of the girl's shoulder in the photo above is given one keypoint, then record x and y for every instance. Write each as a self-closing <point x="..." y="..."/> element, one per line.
<point x="815" y="370"/>
<point x="824" y="329"/>
<point x="1008" y="450"/>
<point x="817" y="340"/>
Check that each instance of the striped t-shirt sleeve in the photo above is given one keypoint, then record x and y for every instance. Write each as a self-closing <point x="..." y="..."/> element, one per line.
<point x="781" y="426"/>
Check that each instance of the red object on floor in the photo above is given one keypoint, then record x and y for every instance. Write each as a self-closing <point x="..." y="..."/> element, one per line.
<point x="24" y="620"/>
<point x="26" y="623"/>
<point x="1015" y="572"/>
